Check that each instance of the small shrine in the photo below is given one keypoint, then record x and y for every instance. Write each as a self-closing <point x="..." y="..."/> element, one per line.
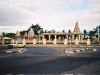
<point x="30" y="34"/>
<point x="17" y="33"/>
<point x="17" y="37"/>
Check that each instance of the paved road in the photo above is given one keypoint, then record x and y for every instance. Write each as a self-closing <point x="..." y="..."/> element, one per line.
<point x="51" y="60"/>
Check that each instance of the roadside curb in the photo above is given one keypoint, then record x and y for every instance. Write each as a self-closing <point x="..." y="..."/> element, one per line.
<point x="19" y="50"/>
<point x="80" y="50"/>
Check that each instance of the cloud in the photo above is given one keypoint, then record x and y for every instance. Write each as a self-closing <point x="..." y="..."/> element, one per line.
<point x="12" y="28"/>
<point x="12" y="16"/>
<point x="78" y="2"/>
<point x="94" y="3"/>
<point x="50" y="14"/>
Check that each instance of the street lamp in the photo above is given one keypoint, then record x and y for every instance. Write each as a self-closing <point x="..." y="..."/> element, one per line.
<point x="70" y="41"/>
<point x="0" y="33"/>
<point x="98" y="33"/>
<point x="13" y="43"/>
<point x="69" y="50"/>
<point x="39" y="35"/>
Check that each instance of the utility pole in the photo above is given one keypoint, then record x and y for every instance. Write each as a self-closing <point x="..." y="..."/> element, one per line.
<point x="70" y="40"/>
<point x="98" y="33"/>
<point x="39" y="37"/>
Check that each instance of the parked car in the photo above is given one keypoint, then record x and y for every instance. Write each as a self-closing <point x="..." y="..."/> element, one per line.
<point x="16" y="45"/>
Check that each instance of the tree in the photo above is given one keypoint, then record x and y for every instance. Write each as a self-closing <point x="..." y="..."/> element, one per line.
<point x="53" y="31"/>
<point x="96" y="30"/>
<point x="22" y="32"/>
<point x="91" y="33"/>
<point x="63" y="31"/>
<point x="45" y="31"/>
<point x="3" y="34"/>
<point x="69" y="31"/>
<point x="8" y="34"/>
<point x="49" y="31"/>
<point x="36" y="28"/>
<point x="41" y="31"/>
<point x="85" y="33"/>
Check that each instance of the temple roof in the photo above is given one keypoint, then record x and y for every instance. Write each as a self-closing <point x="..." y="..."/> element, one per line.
<point x="6" y="38"/>
<point x="61" y="33"/>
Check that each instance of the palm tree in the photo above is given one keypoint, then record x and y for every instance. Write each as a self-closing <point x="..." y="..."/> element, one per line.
<point x="69" y="31"/>
<point x="85" y="33"/>
<point x="63" y="31"/>
<point x="96" y="30"/>
<point x="53" y="31"/>
<point x="23" y="32"/>
<point x="3" y="34"/>
<point x="91" y="33"/>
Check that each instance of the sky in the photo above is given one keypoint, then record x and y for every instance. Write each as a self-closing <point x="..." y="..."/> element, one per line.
<point x="49" y="14"/>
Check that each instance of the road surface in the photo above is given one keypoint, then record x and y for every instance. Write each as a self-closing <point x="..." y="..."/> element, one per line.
<point x="51" y="60"/>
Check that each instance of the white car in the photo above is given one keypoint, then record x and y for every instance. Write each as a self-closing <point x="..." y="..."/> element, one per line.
<point x="16" y="45"/>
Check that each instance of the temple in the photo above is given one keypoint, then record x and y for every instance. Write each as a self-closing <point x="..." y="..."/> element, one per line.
<point x="56" y="37"/>
<point x="61" y="37"/>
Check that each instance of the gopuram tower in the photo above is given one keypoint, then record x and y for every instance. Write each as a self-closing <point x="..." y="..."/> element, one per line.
<point x="77" y="33"/>
<point x="77" y="29"/>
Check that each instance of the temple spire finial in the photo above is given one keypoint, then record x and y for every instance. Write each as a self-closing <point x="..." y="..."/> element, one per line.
<point x="77" y="23"/>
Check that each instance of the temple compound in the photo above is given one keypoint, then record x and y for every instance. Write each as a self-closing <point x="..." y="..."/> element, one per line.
<point x="53" y="38"/>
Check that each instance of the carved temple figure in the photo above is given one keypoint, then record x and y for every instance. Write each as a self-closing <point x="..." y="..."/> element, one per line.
<point x="77" y="29"/>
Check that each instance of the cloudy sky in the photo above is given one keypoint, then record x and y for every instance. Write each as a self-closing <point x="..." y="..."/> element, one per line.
<point x="49" y="14"/>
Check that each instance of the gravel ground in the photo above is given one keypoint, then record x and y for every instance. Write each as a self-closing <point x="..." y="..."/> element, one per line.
<point x="51" y="60"/>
